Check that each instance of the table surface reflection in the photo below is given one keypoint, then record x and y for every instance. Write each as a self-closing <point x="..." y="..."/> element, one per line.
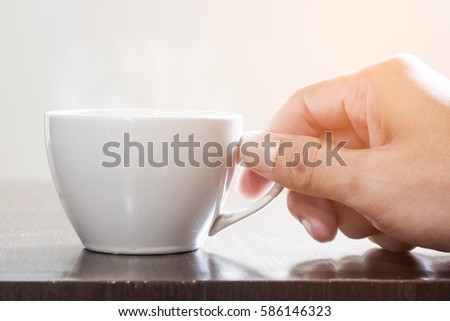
<point x="268" y="256"/>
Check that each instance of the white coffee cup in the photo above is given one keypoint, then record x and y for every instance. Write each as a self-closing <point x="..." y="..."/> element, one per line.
<point x="120" y="177"/>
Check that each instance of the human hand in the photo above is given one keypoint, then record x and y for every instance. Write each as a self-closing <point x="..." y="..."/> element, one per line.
<point x="395" y="189"/>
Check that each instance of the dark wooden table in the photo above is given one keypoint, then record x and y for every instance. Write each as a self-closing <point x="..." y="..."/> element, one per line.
<point x="268" y="256"/>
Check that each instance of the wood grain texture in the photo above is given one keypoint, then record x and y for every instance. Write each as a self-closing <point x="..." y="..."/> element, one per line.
<point x="265" y="257"/>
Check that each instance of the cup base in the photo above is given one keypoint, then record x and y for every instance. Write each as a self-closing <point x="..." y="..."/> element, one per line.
<point x="141" y="251"/>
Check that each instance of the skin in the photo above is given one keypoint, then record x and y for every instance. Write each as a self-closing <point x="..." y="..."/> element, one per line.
<point x="395" y="189"/>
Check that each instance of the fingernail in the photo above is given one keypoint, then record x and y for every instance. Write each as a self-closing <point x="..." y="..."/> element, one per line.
<point x="258" y="150"/>
<point x="308" y="226"/>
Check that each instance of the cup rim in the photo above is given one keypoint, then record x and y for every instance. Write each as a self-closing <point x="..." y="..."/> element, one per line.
<point x="141" y="113"/>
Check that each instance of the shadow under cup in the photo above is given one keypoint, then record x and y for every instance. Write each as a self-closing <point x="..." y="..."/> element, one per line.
<point x="141" y="181"/>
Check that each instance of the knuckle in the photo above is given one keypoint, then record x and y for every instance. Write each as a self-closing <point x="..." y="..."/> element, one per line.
<point x="302" y="174"/>
<point x="402" y="61"/>
<point x="399" y="66"/>
<point x="352" y="223"/>
<point x="360" y="174"/>
<point x="302" y="177"/>
<point x="352" y="233"/>
<point x="355" y="233"/>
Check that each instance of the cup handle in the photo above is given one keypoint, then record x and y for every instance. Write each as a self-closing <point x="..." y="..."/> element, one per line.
<point x="225" y="219"/>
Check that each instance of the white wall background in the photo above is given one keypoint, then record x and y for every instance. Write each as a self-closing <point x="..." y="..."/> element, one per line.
<point x="244" y="56"/>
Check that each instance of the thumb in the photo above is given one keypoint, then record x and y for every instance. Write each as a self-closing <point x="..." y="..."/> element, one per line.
<point x="303" y="164"/>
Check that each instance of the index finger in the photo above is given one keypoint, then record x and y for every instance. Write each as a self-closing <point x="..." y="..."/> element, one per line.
<point x="337" y="104"/>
